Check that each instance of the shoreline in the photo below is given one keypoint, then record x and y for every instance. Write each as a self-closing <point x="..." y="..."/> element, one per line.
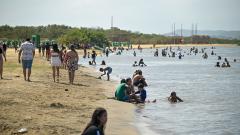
<point x="45" y="107"/>
<point x="120" y="114"/>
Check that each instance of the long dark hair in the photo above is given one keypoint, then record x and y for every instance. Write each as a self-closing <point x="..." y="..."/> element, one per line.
<point x="95" y="120"/>
<point x="55" y="48"/>
<point x="72" y="48"/>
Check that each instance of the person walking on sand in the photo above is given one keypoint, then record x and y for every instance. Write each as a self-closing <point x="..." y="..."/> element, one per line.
<point x="2" y="54"/>
<point x="72" y="63"/>
<point x="97" y="124"/>
<point x="55" y="61"/>
<point x="27" y="51"/>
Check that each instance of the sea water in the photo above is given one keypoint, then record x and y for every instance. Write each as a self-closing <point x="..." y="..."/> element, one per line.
<point x="211" y="95"/>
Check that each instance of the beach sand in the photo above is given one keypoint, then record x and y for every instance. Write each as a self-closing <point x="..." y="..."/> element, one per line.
<point x="45" y="107"/>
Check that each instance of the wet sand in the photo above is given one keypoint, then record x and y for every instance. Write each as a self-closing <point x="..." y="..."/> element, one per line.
<point x="45" y="107"/>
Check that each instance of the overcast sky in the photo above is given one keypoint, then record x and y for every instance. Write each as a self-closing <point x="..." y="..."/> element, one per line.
<point x="147" y="16"/>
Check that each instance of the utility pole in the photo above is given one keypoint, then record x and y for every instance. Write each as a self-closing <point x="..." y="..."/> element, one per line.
<point x="192" y="32"/>
<point x="174" y="33"/>
<point x="181" y="31"/>
<point x="112" y="29"/>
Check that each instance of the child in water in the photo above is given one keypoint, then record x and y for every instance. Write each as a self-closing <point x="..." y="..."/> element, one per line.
<point x="109" y="71"/>
<point x="174" y="98"/>
<point x="142" y="92"/>
<point x="135" y="64"/>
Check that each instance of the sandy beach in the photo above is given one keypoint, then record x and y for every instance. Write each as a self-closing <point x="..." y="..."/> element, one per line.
<point x="45" y="107"/>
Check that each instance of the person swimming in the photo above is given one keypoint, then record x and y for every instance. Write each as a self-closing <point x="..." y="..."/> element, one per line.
<point x="141" y="63"/>
<point x="135" y="64"/>
<point x="174" y="98"/>
<point x="103" y="63"/>
<point x="205" y="56"/>
<point x="217" y="64"/>
<point x="224" y="64"/>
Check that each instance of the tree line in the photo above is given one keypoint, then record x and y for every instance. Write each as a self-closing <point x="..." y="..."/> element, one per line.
<point x="96" y="36"/>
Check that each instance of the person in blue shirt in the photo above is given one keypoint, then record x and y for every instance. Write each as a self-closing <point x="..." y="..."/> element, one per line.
<point x="142" y="92"/>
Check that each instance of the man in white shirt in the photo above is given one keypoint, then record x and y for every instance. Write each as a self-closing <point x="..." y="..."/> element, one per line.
<point x="27" y="50"/>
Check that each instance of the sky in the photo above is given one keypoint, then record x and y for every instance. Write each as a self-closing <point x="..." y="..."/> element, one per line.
<point x="146" y="16"/>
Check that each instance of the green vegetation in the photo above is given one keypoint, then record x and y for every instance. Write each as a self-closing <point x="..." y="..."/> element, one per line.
<point x="97" y="36"/>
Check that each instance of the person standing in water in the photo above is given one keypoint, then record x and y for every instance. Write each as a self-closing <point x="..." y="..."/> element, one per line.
<point x="72" y="63"/>
<point x="94" y="55"/>
<point x="134" y="54"/>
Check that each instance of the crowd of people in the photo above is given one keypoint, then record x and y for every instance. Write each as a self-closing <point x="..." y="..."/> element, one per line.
<point x="67" y="59"/>
<point x="131" y="89"/>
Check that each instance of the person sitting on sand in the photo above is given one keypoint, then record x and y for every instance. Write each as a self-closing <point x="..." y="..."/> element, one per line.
<point x="123" y="81"/>
<point x="97" y="124"/>
<point x="174" y="98"/>
<point x="125" y="91"/>
<point x="217" y="64"/>
<point x="135" y="64"/>
<point x="130" y="87"/>
<point x="141" y="63"/>
<point x="109" y="71"/>
<point x="142" y="92"/>
<point x="121" y="92"/>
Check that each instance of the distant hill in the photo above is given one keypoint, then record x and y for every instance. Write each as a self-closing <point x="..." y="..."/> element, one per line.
<point x="212" y="33"/>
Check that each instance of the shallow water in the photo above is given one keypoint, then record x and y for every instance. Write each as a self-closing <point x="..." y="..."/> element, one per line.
<point x="211" y="95"/>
